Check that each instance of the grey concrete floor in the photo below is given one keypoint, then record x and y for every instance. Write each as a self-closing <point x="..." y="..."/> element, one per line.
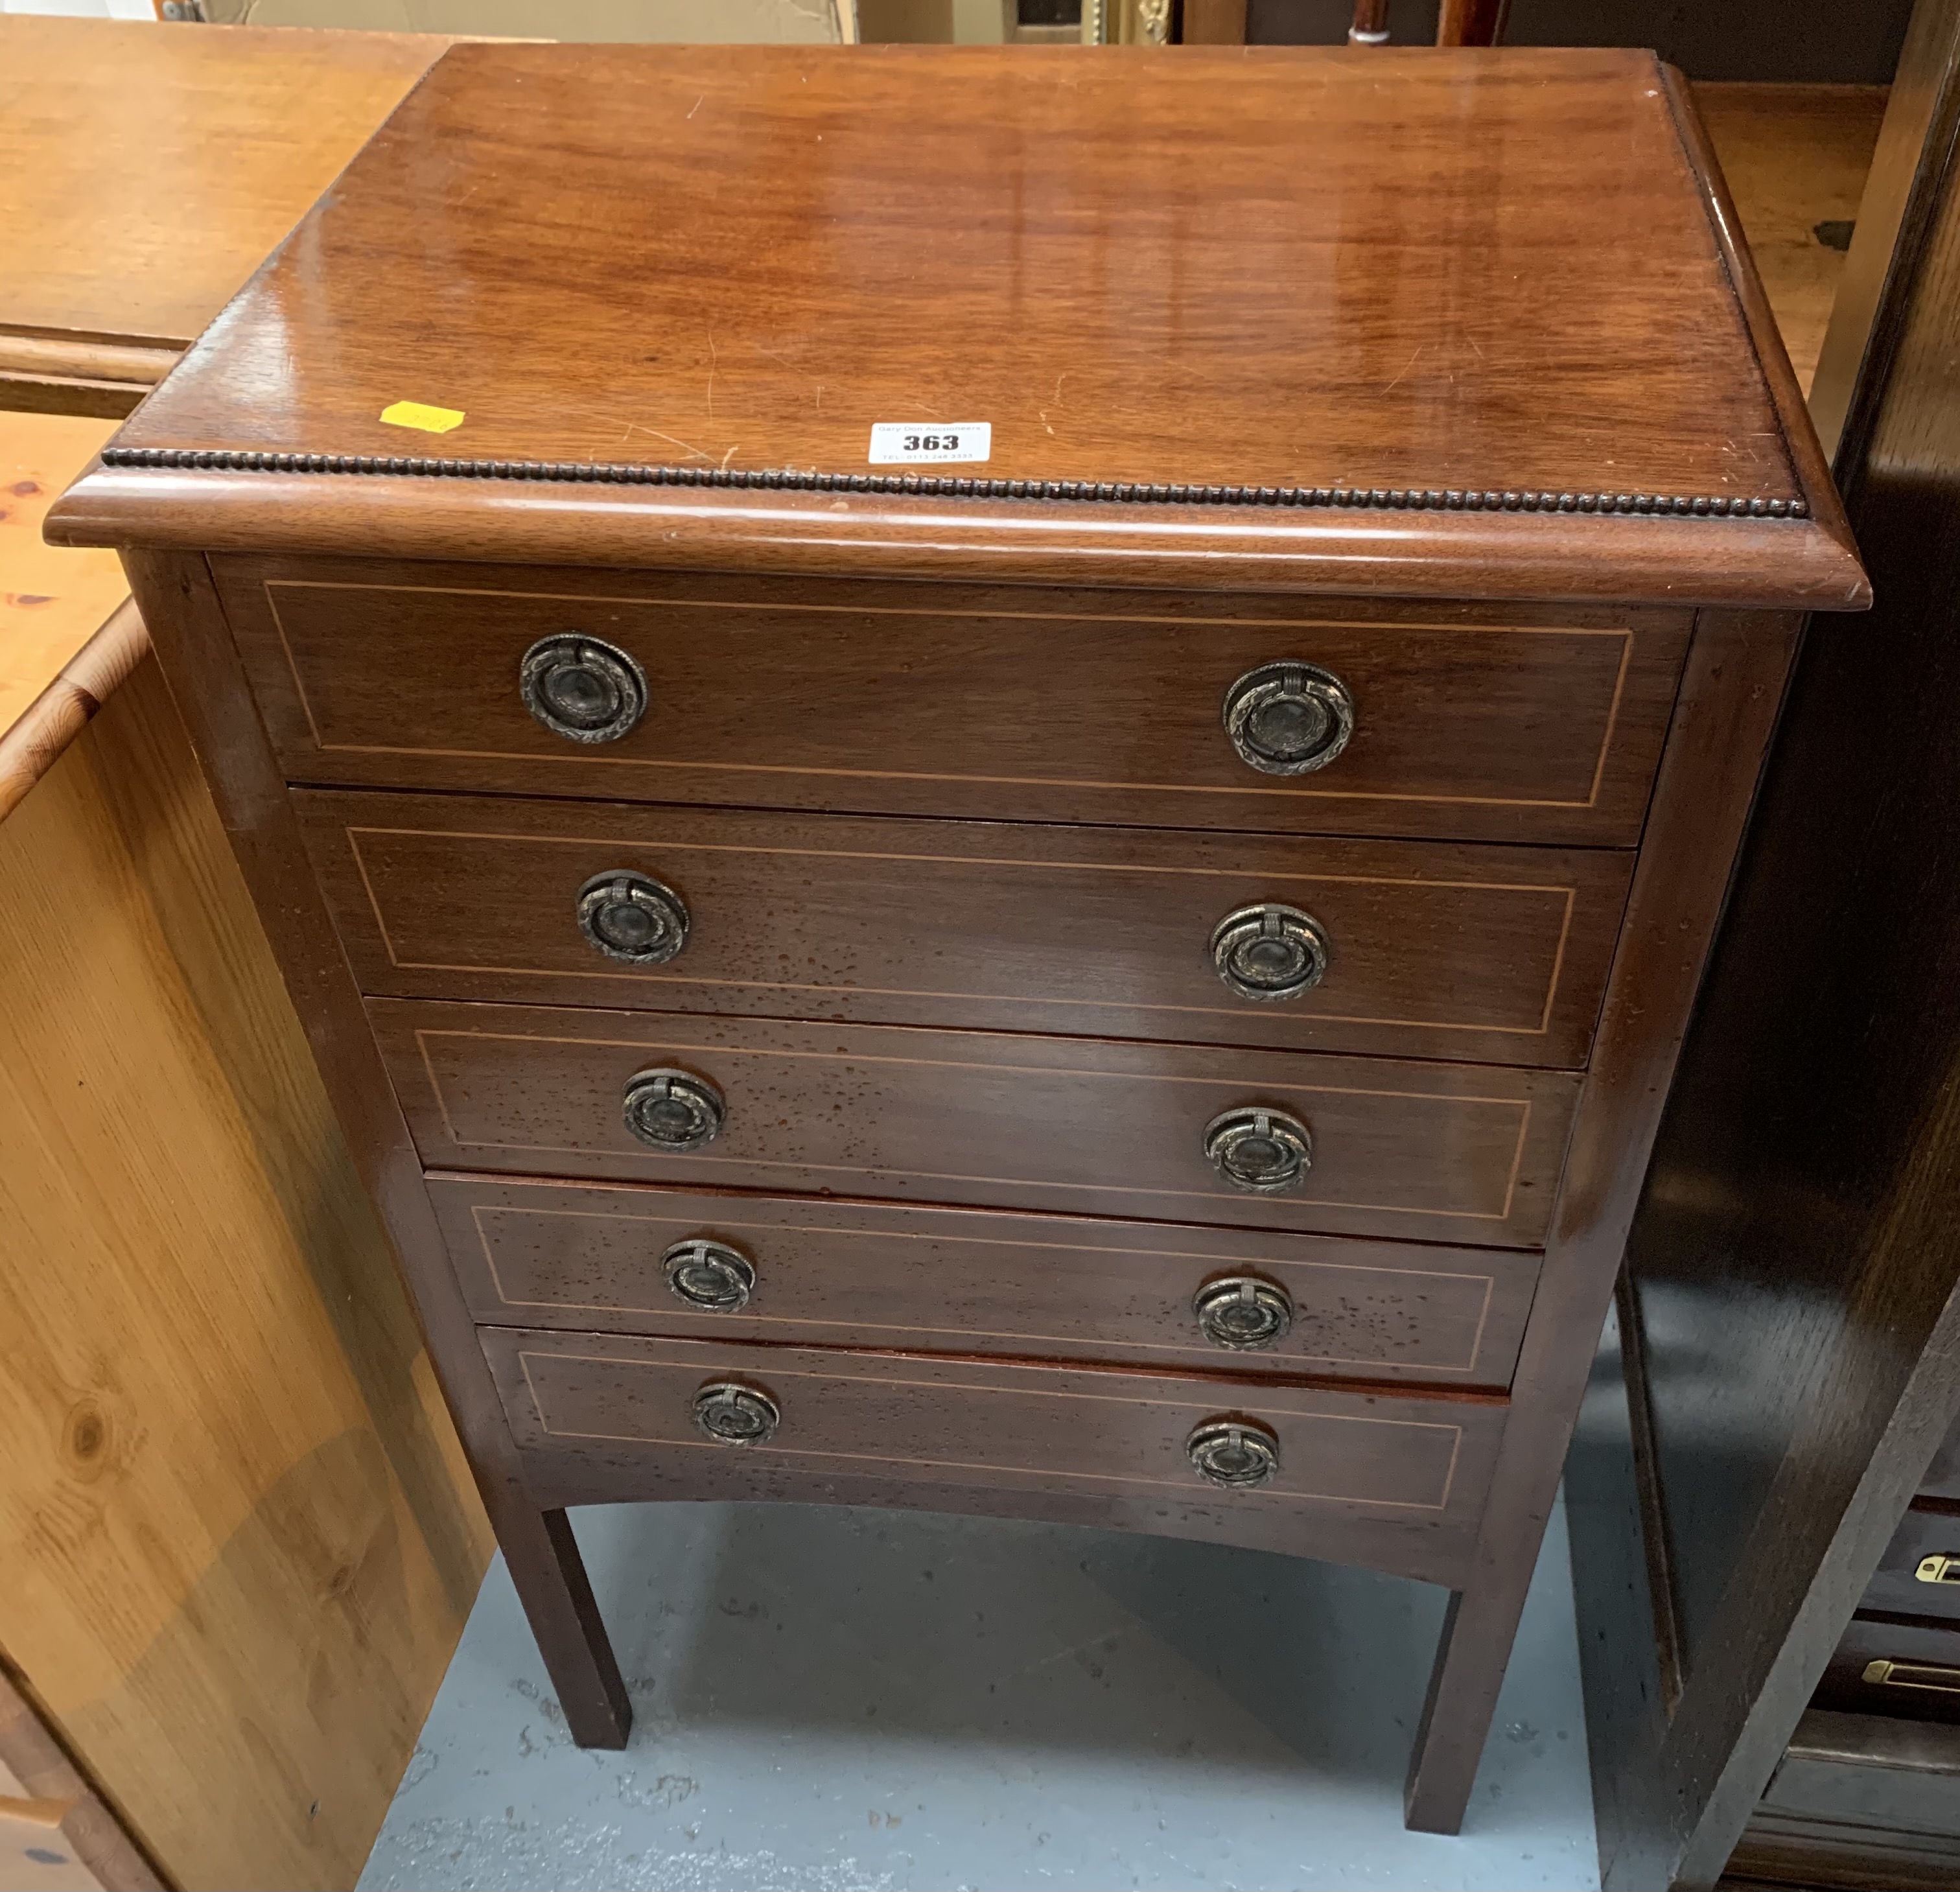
<point x="846" y="1699"/>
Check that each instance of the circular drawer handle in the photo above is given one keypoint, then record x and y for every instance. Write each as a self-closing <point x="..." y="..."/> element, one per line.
<point x="1243" y="1311"/>
<point x="1233" y="1451"/>
<point x="731" y="1413"/>
<point x="1286" y="719"/>
<point x="1271" y="952"/>
<point x="673" y="1110"/>
<point x="1265" y="1151"/>
<point x="632" y="917"/>
<point x="582" y="689"/>
<point x="709" y="1275"/>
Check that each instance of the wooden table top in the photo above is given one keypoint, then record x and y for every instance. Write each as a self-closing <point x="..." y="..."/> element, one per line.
<point x="151" y="169"/>
<point x="1370" y="279"/>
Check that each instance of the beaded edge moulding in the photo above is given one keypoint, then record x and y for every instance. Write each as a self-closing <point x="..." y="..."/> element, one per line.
<point x="938" y="486"/>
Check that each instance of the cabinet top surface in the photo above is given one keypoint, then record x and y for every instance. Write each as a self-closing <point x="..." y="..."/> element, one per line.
<point x="1400" y="275"/>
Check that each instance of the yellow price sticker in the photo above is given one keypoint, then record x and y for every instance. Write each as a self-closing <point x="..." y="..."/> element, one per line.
<point x="425" y="419"/>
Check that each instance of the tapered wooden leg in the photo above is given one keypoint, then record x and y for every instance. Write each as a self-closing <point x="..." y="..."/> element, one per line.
<point x="552" y="1584"/>
<point x="1475" y="1649"/>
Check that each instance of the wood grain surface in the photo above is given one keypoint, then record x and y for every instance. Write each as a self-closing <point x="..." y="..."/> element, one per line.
<point x="1490" y="271"/>
<point x="1435" y="1152"/>
<point x="53" y="599"/>
<point x="1014" y="704"/>
<point x="1569" y="325"/>
<point x="863" y="1274"/>
<point x="1413" y="1461"/>
<point x="149" y="171"/>
<point x="1488" y="954"/>
<point x="236" y="1544"/>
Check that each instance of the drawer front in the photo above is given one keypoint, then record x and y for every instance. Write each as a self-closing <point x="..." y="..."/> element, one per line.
<point x="1419" y="1461"/>
<point x="964" y="1280"/>
<point x="1895" y="1668"/>
<point x="1920" y="1573"/>
<point x="1031" y="706"/>
<point x="1430" y="950"/>
<point x="1427" y="1152"/>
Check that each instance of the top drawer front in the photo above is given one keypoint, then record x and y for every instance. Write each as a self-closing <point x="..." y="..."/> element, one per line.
<point x="1035" y="706"/>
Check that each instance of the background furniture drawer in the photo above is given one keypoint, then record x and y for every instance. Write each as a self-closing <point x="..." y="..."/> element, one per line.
<point x="1467" y="721"/>
<point x="1889" y="1668"/>
<point x="966" y="1280"/>
<point x="1429" y="950"/>
<point x="1926" y="1541"/>
<point x="1942" y="1476"/>
<point x="1428" y="1151"/>
<point x="1423" y="1462"/>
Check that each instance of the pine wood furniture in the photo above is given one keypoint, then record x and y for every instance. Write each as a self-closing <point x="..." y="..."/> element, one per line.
<point x="238" y="1542"/>
<point x="885" y="983"/>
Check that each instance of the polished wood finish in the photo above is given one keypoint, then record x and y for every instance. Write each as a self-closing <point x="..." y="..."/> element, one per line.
<point x="1416" y="1467"/>
<point x="539" y="1254"/>
<point x="1791" y="1268"/>
<point x="1495" y="954"/>
<point x="1722" y="723"/>
<point x="940" y="656"/>
<point x="1471" y="22"/>
<point x="1027" y="705"/>
<point x="1570" y="350"/>
<point x="180" y="604"/>
<point x="203" y="146"/>
<point x="1435" y="1152"/>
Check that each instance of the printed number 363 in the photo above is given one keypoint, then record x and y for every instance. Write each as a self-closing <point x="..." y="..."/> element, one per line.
<point x="932" y="443"/>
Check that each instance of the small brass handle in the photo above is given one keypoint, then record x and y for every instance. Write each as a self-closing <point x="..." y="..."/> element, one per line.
<point x="1253" y="1147"/>
<point x="1233" y="1451"/>
<point x="709" y="1275"/>
<point x="1243" y="1311"/>
<point x="1939" y="1570"/>
<point x="1936" y="1678"/>
<point x="582" y="689"/>
<point x="673" y="1111"/>
<point x="1270" y="952"/>
<point x="732" y="1414"/>
<point x="1289" y="718"/>
<point x="632" y="917"/>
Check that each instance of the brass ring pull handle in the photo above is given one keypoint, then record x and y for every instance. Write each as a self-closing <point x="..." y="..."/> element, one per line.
<point x="1243" y="1311"/>
<point x="1289" y="718"/>
<point x="731" y="1413"/>
<point x="632" y="917"/>
<point x="1265" y="1151"/>
<point x="1235" y="1452"/>
<point x="1271" y="952"/>
<point x="709" y="1275"/>
<point x="582" y="689"/>
<point x="673" y="1111"/>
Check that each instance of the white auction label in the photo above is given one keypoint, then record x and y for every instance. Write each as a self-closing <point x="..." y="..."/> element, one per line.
<point x="918" y="443"/>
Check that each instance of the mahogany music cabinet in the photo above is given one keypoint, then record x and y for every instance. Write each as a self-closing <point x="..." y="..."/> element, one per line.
<point x="995" y="780"/>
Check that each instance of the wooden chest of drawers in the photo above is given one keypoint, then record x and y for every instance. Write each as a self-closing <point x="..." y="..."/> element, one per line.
<point x="1116" y="960"/>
